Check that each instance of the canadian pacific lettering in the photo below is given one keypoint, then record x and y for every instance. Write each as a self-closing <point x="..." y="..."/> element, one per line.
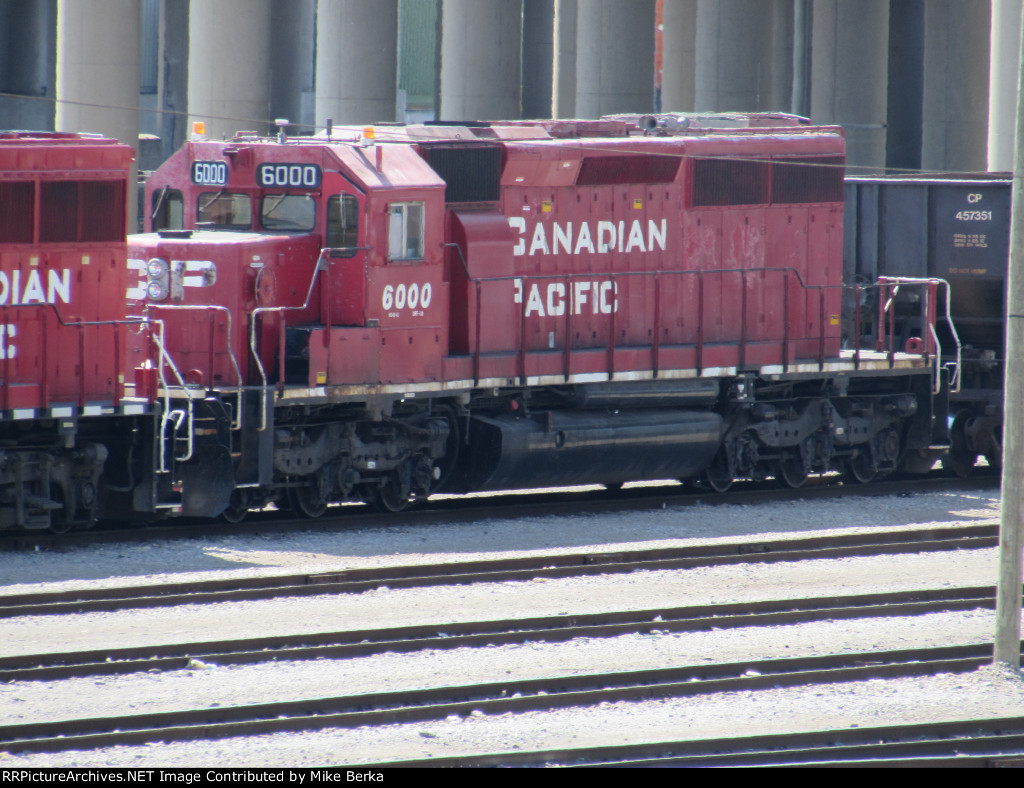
<point x="18" y="287"/>
<point x="578" y="238"/>
<point x="595" y="297"/>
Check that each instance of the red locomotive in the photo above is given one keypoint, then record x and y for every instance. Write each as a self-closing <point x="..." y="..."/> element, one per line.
<point x="382" y="314"/>
<point x="63" y="330"/>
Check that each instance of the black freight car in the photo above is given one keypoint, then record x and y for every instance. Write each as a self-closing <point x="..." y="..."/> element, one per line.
<point x="958" y="229"/>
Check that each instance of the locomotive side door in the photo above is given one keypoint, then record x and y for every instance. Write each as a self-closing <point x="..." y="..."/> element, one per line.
<point x="343" y="288"/>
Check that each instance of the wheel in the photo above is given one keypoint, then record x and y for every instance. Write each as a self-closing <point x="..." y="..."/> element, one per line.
<point x="389" y="497"/>
<point x="791" y="472"/>
<point x="237" y="509"/>
<point x="887" y="449"/>
<point x="859" y="468"/>
<point x="718" y="475"/>
<point x="307" y="501"/>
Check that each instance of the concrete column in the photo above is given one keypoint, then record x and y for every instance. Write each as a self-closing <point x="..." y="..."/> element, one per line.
<point x="173" y="89"/>
<point x="419" y="60"/>
<point x="734" y="56"/>
<point x="163" y="117"/>
<point x="28" y="33"/>
<point x="956" y="62"/>
<point x="538" y="57"/>
<point x="229" y="66"/>
<point x="906" y="85"/>
<point x="780" y="94"/>
<point x="800" y="100"/>
<point x="481" y="41"/>
<point x="563" y="90"/>
<point x="292" y="51"/>
<point x="849" y="72"/>
<point x="1002" y="95"/>
<point x="614" y="57"/>
<point x="98" y="67"/>
<point x="679" y="55"/>
<point x="356" y="61"/>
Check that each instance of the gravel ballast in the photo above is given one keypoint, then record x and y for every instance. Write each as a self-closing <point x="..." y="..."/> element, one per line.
<point x="984" y="693"/>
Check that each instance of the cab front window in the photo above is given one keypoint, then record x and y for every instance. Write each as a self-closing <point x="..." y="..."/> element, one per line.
<point x="223" y="209"/>
<point x="288" y="212"/>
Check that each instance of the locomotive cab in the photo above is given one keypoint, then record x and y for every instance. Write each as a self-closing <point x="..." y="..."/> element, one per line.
<point x="270" y="265"/>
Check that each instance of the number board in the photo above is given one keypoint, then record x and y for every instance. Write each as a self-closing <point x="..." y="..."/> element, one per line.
<point x="288" y="176"/>
<point x="210" y="173"/>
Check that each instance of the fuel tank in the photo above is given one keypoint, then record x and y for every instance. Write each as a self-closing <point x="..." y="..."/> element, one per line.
<point x="559" y="448"/>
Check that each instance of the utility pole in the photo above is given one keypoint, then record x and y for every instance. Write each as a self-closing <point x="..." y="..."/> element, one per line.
<point x="1011" y="519"/>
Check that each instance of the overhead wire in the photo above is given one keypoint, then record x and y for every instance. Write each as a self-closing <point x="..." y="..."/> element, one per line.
<point x="383" y="135"/>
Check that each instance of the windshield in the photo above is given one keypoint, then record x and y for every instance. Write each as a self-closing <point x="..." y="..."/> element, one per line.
<point x="224" y="209"/>
<point x="288" y="212"/>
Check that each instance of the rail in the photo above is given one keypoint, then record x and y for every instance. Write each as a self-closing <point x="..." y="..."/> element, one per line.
<point x="566" y="304"/>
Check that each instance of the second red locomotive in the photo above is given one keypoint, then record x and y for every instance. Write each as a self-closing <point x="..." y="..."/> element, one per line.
<point x="63" y="325"/>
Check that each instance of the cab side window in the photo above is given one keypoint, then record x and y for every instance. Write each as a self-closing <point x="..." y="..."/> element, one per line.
<point x="343" y="223"/>
<point x="405" y="231"/>
<point x="167" y="211"/>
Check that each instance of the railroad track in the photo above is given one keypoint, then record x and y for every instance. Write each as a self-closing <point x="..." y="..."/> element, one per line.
<point x="551" y="629"/>
<point x="504" y="570"/>
<point x="437" y="703"/>
<point x="448" y="509"/>
<point x="961" y="743"/>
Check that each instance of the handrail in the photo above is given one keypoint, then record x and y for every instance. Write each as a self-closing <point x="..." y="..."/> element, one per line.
<point x="257" y="312"/>
<point x="790" y="277"/>
<point x="80" y="324"/>
<point x="236" y="424"/>
<point x="167" y="415"/>
<point x="955" y="379"/>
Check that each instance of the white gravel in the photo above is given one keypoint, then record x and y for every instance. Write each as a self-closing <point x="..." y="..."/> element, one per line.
<point x="985" y="693"/>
